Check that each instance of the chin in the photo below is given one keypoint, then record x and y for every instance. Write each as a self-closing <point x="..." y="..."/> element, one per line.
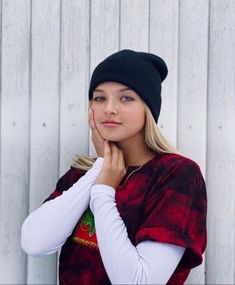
<point x="112" y="139"/>
<point x="116" y="138"/>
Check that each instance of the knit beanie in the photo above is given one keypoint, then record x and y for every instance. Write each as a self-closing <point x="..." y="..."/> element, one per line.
<point x="141" y="71"/>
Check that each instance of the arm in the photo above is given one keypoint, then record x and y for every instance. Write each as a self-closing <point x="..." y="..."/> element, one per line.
<point x="149" y="262"/>
<point x="46" y="229"/>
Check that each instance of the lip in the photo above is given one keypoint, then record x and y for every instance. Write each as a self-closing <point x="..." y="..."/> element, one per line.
<point x="110" y="123"/>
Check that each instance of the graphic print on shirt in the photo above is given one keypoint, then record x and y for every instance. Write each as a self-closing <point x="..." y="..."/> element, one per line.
<point x="85" y="230"/>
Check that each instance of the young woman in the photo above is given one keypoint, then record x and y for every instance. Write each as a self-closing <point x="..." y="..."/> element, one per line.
<point x="137" y="213"/>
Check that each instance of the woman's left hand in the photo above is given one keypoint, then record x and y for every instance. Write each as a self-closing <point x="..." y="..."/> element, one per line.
<point x="113" y="169"/>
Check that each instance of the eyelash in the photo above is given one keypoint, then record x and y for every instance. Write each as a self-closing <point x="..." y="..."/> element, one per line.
<point x="101" y="98"/>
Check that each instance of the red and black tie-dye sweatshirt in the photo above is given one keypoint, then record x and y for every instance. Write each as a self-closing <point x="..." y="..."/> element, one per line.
<point x="164" y="200"/>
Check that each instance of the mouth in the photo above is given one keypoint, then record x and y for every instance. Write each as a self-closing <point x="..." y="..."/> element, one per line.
<point x="110" y="123"/>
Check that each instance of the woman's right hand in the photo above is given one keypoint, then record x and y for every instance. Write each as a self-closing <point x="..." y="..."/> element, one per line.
<point x="96" y="137"/>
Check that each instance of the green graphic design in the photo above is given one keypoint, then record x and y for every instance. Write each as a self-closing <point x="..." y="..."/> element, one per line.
<point x="88" y="222"/>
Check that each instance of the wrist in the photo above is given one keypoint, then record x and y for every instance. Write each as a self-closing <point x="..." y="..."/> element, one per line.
<point x="106" y="182"/>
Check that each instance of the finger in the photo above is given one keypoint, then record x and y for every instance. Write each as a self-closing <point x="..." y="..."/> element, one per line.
<point x="91" y="119"/>
<point x="121" y="157"/>
<point x="107" y="152"/>
<point x="93" y="124"/>
<point x="118" y="159"/>
<point x="115" y="154"/>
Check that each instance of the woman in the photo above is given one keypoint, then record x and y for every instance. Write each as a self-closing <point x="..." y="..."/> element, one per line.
<point x="137" y="213"/>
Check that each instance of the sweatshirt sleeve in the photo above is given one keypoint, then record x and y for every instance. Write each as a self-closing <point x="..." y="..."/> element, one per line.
<point x="150" y="262"/>
<point x="175" y="212"/>
<point x="46" y="229"/>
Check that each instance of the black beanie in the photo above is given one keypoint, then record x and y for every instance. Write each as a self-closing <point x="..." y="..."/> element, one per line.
<point x="141" y="71"/>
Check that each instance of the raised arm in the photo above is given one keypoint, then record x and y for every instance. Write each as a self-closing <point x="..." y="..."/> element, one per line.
<point x="46" y="229"/>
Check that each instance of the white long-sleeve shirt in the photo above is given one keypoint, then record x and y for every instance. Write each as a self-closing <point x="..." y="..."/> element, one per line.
<point x="47" y="228"/>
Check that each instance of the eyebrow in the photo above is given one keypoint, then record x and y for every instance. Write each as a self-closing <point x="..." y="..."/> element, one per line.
<point x="120" y="90"/>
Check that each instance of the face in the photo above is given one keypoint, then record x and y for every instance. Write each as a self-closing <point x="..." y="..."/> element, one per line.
<point x="118" y="111"/>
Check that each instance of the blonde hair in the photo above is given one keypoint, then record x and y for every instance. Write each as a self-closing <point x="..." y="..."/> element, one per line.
<point x="153" y="138"/>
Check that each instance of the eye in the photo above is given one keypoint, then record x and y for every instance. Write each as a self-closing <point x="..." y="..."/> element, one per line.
<point x="98" y="98"/>
<point x="127" y="98"/>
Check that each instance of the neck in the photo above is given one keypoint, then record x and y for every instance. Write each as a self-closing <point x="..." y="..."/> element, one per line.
<point x="135" y="151"/>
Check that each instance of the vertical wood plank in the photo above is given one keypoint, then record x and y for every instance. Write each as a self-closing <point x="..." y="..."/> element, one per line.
<point x="14" y="138"/>
<point x="221" y="143"/>
<point x="75" y="41"/>
<point x="44" y="120"/>
<point x="163" y="41"/>
<point x="192" y="100"/>
<point x="74" y="81"/>
<point x="104" y="35"/>
<point x="104" y="30"/>
<point x="193" y="58"/>
<point x="134" y="24"/>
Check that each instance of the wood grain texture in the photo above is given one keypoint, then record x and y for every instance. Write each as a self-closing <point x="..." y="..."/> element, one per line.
<point x="193" y="62"/>
<point x="44" y="146"/>
<point x="192" y="97"/>
<point x="74" y="81"/>
<point x="221" y="144"/>
<point x="163" y="41"/>
<point x="134" y="24"/>
<point x="14" y="138"/>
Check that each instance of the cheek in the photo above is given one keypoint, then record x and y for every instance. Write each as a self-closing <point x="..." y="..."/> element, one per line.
<point x="96" y="112"/>
<point x="97" y="117"/>
<point x="136" y="117"/>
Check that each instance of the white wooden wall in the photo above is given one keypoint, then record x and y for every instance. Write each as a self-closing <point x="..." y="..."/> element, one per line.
<point x="48" y="51"/>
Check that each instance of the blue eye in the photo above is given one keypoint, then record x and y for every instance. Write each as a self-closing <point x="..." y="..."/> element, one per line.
<point x="98" y="99"/>
<point x="127" y="98"/>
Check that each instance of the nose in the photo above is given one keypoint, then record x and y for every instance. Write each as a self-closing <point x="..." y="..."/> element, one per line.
<point x="110" y="107"/>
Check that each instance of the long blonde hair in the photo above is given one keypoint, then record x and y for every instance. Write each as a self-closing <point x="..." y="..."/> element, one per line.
<point x="153" y="138"/>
